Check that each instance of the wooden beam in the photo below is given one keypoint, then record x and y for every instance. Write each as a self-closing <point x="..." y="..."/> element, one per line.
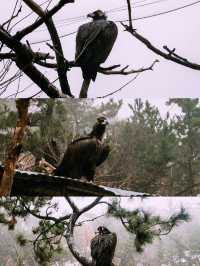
<point x="40" y="184"/>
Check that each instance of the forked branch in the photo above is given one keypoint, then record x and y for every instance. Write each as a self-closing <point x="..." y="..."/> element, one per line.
<point x="169" y="55"/>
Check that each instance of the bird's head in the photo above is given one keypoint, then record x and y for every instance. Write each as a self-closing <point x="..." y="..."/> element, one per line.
<point x="96" y="15"/>
<point x="102" y="230"/>
<point x="99" y="128"/>
<point x="102" y="120"/>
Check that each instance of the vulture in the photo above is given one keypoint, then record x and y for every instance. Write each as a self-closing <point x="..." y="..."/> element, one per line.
<point x="103" y="247"/>
<point x="83" y="155"/>
<point x="94" y="41"/>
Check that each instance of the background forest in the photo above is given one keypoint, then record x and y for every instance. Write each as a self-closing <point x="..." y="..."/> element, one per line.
<point x="150" y="152"/>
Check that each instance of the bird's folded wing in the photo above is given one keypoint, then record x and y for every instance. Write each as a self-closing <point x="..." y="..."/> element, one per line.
<point x="94" y="31"/>
<point x="94" y="246"/>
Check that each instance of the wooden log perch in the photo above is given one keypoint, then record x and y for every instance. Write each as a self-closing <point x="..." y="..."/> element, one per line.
<point x="14" y="149"/>
<point x="27" y="183"/>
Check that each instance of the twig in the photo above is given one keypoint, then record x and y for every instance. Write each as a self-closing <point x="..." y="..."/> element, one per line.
<point x="108" y="68"/>
<point x="12" y="17"/>
<point x="18" y="85"/>
<point x="172" y="52"/>
<point x="19" y="35"/>
<point x="111" y="93"/>
<point x="169" y="56"/>
<point x="124" y="72"/>
<point x="90" y="220"/>
<point x="58" y="53"/>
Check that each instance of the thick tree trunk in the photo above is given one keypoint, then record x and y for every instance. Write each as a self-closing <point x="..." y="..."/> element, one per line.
<point x="14" y="149"/>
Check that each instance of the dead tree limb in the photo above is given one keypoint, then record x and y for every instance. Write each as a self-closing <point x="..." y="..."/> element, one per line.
<point x="36" y="55"/>
<point x="12" y="17"/>
<point x="7" y="56"/>
<point x="103" y="70"/>
<point x="129" y="14"/>
<point x="124" y="70"/>
<point x="15" y="147"/>
<point x="61" y="63"/>
<point x="21" y="34"/>
<point x="24" y="62"/>
<point x="170" y="55"/>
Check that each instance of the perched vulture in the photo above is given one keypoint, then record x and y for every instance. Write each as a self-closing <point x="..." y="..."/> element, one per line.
<point x="103" y="247"/>
<point x="85" y="154"/>
<point x="94" y="41"/>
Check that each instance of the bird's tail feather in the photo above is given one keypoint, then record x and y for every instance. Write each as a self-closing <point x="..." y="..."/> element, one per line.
<point x="89" y="71"/>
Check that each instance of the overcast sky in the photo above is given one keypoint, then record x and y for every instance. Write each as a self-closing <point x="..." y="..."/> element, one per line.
<point x="163" y="206"/>
<point x="157" y="205"/>
<point x="178" y="29"/>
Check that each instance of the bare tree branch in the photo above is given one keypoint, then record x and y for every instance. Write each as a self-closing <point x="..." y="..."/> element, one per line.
<point x="91" y="205"/>
<point x="104" y="70"/>
<point x="44" y="217"/>
<point x="61" y="63"/>
<point x="37" y="56"/>
<point x="115" y="91"/>
<point x="21" y="34"/>
<point x="12" y="17"/>
<point x="90" y="220"/>
<point x="169" y="56"/>
<point x="7" y="56"/>
<point x="24" y="62"/>
<point x="72" y="204"/>
<point x="124" y="72"/>
<point x="129" y="14"/>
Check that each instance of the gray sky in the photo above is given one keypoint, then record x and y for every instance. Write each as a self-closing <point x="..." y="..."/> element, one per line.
<point x="179" y="29"/>
<point x="164" y="206"/>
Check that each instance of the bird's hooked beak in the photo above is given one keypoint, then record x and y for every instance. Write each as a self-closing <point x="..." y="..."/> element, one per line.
<point x="90" y="15"/>
<point x="105" y="122"/>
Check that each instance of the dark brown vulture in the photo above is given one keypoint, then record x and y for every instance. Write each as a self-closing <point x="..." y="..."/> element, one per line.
<point x="94" y="41"/>
<point x="85" y="154"/>
<point x="103" y="247"/>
